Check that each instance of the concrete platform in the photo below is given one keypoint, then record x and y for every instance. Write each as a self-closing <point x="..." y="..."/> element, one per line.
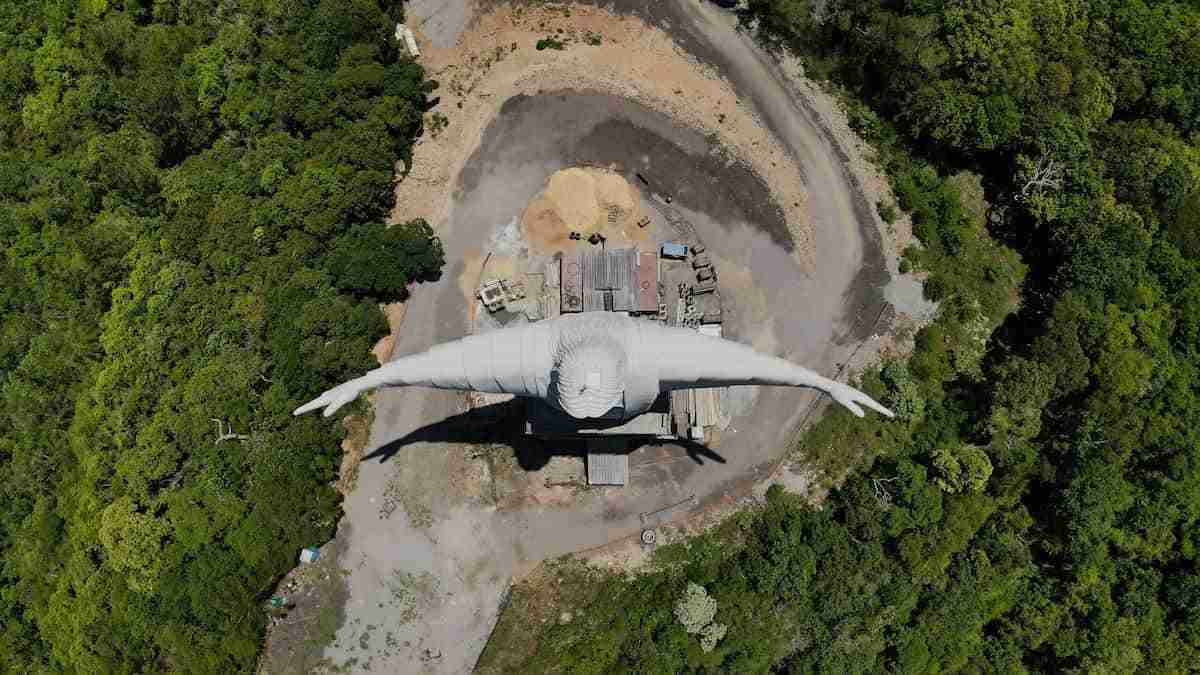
<point x="543" y="421"/>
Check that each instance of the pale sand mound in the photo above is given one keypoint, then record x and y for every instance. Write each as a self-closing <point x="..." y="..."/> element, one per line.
<point x="544" y="228"/>
<point x="573" y="193"/>
<point x="613" y="191"/>
<point x="581" y="200"/>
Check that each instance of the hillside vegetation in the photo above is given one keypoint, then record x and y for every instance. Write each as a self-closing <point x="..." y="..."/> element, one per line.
<point x="190" y="193"/>
<point x="1035" y="507"/>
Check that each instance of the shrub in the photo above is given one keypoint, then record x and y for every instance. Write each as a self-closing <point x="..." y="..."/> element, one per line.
<point x="887" y="212"/>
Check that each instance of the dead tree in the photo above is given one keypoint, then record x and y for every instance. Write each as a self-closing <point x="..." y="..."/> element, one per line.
<point x="1047" y="175"/>
<point x="227" y="433"/>
<point x="882" y="496"/>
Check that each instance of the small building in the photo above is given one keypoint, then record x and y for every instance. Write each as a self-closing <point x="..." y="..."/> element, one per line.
<point x="607" y="462"/>
<point x="497" y="293"/>
<point x="491" y="293"/>
<point x="621" y="280"/>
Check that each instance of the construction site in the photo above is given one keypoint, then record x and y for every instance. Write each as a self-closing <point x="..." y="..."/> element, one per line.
<point x="592" y="242"/>
<point x="658" y="166"/>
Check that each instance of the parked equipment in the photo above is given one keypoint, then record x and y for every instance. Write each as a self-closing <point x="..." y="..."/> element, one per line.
<point x="674" y="251"/>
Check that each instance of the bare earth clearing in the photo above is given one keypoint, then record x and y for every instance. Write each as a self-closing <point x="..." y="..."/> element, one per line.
<point x="448" y="506"/>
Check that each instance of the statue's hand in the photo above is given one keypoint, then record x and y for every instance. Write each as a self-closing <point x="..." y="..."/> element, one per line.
<point x="851" y="398"/>
<point x="335" y="398"/>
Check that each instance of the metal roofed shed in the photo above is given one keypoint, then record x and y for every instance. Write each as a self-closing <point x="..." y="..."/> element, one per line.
<point x="497" y="293"/>
<point x="492" y="295"/>
<point x="607" y="462"/>
<point x="621" y="280"/>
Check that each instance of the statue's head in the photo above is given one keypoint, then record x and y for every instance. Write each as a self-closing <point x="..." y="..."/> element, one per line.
<point x="589" y="376"/>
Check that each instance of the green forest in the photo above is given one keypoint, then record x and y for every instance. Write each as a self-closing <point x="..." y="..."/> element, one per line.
<point x="1036" y="505"/>
<point x="189" y="193"/>
<point x="195" y="207"/>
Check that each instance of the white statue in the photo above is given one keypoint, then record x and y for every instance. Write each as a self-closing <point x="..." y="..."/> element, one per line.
<point x="595" y="364"/>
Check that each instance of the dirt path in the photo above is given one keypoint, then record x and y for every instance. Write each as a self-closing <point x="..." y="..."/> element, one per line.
<point x="427" y="543"/>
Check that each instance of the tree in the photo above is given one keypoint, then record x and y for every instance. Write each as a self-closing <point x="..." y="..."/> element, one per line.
<point x="695" y="609"/>
<point x="966" y="467"/>
<point x="379" y="262"/>
<point x="172" y="176"/>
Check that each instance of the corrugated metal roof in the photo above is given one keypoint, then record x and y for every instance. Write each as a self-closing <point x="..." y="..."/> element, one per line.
<point x="593" y="301"/>
<point x="609" y="270"/>
<point x="603" y="280"/>
<point x="606" y="469"/>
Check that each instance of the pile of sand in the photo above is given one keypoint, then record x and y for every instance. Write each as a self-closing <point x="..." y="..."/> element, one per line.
<point x="572" y="192"/>
<point x="583" y="200"/>
<point x="589" y="200"/>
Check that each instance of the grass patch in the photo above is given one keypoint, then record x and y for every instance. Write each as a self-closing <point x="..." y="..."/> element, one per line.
<point x="557" y="588"/>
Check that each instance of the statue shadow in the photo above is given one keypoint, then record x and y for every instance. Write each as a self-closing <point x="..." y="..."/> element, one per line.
<point x="504" y="424"/>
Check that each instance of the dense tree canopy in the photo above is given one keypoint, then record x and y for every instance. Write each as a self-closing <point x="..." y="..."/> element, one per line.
<point x="1036" y="506"/>
<point x="184" y="189"/>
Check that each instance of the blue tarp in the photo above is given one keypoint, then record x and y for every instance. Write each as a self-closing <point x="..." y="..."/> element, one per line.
<point x="673" y="250"/>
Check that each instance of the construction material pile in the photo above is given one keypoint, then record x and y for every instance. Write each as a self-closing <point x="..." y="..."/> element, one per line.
<point x="583" y="201"/>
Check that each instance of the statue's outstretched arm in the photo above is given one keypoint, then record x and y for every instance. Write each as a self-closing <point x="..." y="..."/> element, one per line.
<point x="851" y="398"/>
<point x="333" y="399"/>
<point x="438" y="367"/>
<point x="500" y="361"/>
<point x="686" y="359"/>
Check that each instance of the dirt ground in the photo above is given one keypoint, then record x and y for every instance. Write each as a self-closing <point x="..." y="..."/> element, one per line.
<point x="450" y="504"/>
<point x="618" y="56"/>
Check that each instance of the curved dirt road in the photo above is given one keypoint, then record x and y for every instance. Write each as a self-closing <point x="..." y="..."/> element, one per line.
<point x="425" y="578"/>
